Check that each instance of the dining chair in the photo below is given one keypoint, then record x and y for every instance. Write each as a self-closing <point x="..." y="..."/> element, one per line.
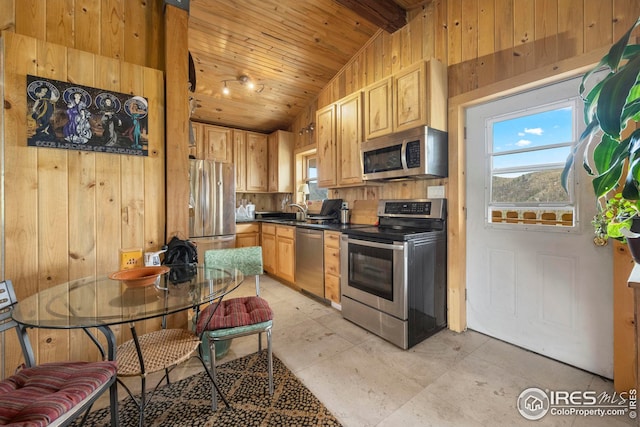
<point x="50" y="394"/>
<point x="240" y="316"/>
<point x="161" y="350"/>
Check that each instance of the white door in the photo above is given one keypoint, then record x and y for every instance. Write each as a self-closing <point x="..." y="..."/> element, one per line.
<point x="541" y="285"/>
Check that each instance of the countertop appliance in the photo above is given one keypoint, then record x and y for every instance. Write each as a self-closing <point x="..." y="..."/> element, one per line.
<point x="212" y="219"/>
<point x="329" y="212"/>
<point x="394" y="275"/>
<point x="420" y="152"/>
<point x="310" y="260"/>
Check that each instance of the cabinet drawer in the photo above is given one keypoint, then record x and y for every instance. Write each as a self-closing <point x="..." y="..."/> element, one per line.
<point x="332" y="261"/>
<point x="268" y="228"/>
<point x="249" y="227"/>
<point x="332" y="239"/>
<point x="285" y="231"/>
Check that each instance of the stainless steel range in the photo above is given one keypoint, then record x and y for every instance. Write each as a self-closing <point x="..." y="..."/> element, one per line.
<point x="394" y="275"/>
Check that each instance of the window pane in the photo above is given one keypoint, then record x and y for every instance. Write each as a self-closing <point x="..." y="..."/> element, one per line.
<point x="312" y="169"/>
<point x="316" y="193"/>
<point x="533" y="130"/>
<point x="528" y="187"/>
<point x="529" y="158"/>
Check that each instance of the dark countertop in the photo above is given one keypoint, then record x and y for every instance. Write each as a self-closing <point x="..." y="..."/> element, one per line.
<point x="303" y="224"/>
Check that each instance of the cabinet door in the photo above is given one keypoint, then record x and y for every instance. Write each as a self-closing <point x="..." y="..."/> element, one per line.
<point x="247" y="239"/>
<point x="269" y="253"/>
<point x="217" y="143"/>
<point x="410" y="97"/>
<point x="326" y="146"/>
<point x="332" y="288"/>
<point x="378" y="109"/>
<point x="349" y="118"/>
<point x="281" y="162"/>
<point x="240" y="159"/>
<point x="256" y="162"/>
<point x="286" y="258"/>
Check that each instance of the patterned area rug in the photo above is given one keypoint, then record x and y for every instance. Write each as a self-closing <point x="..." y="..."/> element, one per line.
<point x="245" y="384"/>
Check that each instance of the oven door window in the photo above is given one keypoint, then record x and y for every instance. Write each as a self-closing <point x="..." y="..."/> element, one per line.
<point x="371" y="270"/>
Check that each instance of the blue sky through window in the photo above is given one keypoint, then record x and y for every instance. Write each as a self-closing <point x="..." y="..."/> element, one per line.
<point x="533" y="131"/>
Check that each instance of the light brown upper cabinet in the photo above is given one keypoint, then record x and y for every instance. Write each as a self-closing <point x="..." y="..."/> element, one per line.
<point x="240" y="159"/>
<point x="378" y="104"/>
<point x="257" y="163"/>
<point x="213" y="142"/>
<point x="349" y="136"/>
<point x="415" y="96"/>
<point x="280" y="162"/>
<point x="326" y="146"/>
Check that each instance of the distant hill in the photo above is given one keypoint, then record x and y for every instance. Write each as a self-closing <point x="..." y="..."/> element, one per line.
<point x="533" y="187"/>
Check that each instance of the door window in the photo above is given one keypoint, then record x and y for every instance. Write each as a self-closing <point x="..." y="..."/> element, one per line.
<point x="526" y="153"/>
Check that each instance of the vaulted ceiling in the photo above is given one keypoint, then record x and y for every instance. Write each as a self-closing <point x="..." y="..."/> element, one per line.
<point x="290" y="49"/>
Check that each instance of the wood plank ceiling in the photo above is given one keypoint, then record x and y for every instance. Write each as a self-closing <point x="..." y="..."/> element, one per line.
<point x="290" y="48"/>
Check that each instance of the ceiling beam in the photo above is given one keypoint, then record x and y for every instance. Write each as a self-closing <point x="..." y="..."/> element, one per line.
<point x="384" y="13"/>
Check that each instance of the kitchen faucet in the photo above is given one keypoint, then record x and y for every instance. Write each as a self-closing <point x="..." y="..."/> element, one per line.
<point x="303" y="209"/>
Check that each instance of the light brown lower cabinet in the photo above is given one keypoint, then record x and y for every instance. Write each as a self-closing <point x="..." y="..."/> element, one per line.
<point x="279" y="251"/>
<point x="247" y="234"/>
<point x="332" y="266"/>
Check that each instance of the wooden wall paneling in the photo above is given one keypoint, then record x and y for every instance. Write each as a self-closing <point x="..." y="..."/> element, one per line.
<point x="625" y="14"/>
<point x="20" y="164"/>
<point x="523" y="29"/>
<point x="86" y="24"/>
<point x="59" y="22"/>
<point x="624" y="346"/>
<point x="132" y="179"/>
<point x="53" y="210"/>
<point x="546" y="32"/>
<point x="31" y="18"/>
<point x="570" y="28"/>
<point x="153" y="192"/>
<point x="486" y="46"/>
<point x="143" y="32"/>
<point x="469" y="43"/>
<point x="112" y="38"/>
<point x="82" y="203"/>
<point x="417" y="37"/>
<point x="598" y="24"/>
<point x="108" y="196"/>
<point x="454" y="32"/>
<point x="504" y="39"/>
<point x="441" y="31"/>
<point x="429" y="24"/>
<point x="7" y="15"/>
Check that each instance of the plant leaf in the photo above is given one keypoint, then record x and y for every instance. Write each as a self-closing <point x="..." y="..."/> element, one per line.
<point x="613" y="97"/>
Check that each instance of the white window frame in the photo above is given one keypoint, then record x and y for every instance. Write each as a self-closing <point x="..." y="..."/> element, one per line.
<point x="575" y="103"/>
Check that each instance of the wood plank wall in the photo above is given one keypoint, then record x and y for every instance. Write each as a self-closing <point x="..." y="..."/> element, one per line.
<point x="67" y="213"/>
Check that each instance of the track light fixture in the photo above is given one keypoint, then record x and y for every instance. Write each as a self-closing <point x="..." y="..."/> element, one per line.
<point x="243" y="80"/>
<point x="310" y="127"/>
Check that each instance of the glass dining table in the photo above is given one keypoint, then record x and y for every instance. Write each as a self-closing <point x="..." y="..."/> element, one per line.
<point x="101" y="302"/>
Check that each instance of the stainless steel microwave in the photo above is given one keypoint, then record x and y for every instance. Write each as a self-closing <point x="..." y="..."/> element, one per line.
<point x="420" y="152"/>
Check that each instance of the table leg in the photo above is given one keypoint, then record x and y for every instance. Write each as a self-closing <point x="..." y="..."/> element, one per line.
<point x="113" y="390"/>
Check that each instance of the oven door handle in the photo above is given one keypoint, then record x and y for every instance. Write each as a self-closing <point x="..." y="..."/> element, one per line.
<point x="375" y="244"/>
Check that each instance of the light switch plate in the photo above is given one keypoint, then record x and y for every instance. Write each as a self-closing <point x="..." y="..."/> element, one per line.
<point x="435" y="192"/>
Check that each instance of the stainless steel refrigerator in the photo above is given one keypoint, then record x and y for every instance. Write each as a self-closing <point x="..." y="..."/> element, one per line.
<point x="212" y="205"/>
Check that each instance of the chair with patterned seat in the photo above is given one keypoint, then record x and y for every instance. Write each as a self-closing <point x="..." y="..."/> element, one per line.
<point x="240" y="316"/>
<point x="50" y="394"/>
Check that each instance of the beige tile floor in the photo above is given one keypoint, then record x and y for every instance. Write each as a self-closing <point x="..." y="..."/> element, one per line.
<point x="450" y="379"/>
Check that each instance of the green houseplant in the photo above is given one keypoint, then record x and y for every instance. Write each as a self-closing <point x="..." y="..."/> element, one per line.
<point x="608" y="107"/>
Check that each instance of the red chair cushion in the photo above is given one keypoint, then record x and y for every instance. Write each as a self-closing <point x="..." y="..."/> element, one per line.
<point x="37" y="396"/>
<point x="235" y="312"/>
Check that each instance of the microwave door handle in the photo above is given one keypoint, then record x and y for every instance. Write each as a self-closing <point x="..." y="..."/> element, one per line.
<point x="403" y="155"/>
<point x="375" y="244"/>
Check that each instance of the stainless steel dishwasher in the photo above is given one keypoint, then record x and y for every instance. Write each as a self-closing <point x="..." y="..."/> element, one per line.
<point x="310" y="260"/>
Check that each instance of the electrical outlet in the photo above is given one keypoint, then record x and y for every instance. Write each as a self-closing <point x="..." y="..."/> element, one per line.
<point x="435" y="192"/>
<point x="130" y="258"/>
